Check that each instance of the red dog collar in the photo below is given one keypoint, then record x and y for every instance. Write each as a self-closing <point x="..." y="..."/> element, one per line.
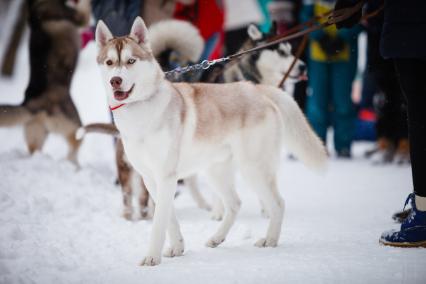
<point x="116" y="107"/>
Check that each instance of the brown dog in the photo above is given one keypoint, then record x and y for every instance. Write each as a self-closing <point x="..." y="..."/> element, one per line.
<point x="54" y="48"/>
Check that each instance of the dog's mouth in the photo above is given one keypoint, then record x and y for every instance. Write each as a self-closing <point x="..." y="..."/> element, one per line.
<point x="299" y="77"/>
<point x="303" y="77"/>
<point x="122" y="95"/>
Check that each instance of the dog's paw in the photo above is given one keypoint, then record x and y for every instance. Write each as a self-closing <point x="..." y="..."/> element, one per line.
<point x="151" y="261"/>
<point x="265" y="242"/>
<point x="174" y="251"/>
<point x="128" y="215"/>
<point x="214" y="242"/>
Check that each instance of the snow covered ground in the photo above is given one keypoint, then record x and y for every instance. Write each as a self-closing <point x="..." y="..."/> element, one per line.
<point x="62" y="225"/>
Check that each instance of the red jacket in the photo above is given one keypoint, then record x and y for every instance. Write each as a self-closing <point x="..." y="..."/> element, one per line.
<point x="209" y="17"/>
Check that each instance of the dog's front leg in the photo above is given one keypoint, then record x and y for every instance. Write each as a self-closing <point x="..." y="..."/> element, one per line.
<point x="176" y="240"/>
<point x="165" y="192"/>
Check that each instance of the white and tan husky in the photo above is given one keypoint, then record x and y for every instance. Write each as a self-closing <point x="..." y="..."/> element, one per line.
<point x="173" y="130"/>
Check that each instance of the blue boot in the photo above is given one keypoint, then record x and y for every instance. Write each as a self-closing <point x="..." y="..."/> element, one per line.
<point x="413" y="229"/>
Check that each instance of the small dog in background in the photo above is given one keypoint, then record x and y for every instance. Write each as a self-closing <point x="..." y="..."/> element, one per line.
<point x="54" y="48"/>
<point x="266" y="66"/>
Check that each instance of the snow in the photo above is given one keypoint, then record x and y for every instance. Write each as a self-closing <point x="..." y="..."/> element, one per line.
<point x="59" y="224"/>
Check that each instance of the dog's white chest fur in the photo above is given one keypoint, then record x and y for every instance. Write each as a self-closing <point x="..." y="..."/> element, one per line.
<point x="152" y="142"/>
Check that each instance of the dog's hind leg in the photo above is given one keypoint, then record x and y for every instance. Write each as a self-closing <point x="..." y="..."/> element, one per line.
<point x="125" y="173"/>
<point x="143" y="198"/>
<point x="35" y="133"/>
<point x="192" y="185"/>
<point x="74" y="146"/>
<point x="263" y="182"/>
<point x="127" y="199"/>
<point x="217" y="209"/>
<point x="221" y="178"/>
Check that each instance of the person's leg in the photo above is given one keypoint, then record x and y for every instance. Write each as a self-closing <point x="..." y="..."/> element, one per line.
<point x="394" y="120"/>
<point x="411" y="73"/>
<point x="391" y="122"/>
<point x="317" y="104"/>
<point x="343" y="108"/>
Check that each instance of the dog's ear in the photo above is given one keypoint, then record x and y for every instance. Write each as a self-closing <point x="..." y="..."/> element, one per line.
<point x="139" y="31"/>
<point x="103" y="34"/>
<point x="254" y="33"/>
<point x="286" y="48"/>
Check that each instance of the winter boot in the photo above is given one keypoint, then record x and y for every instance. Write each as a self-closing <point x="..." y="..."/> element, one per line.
<point x="413" y="229"/>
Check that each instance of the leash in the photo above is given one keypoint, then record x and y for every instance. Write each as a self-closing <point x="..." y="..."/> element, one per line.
<point x="329" y="18"/>
<point x="299" y="52"/>
<point x="337" y="18"/>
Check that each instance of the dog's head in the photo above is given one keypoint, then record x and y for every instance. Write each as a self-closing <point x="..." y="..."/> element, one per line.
<point x="129" y="70"/>
<point x="273" y="62"/>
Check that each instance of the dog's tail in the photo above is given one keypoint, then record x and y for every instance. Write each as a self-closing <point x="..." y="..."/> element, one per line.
<point x="176" y="35"/>
<point x="105" y="128"/>
<point x="13" y="115"/>
<point x="299" y="138"/>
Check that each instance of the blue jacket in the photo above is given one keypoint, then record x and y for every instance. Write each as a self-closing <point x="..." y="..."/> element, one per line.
<point x="118" y="15"/>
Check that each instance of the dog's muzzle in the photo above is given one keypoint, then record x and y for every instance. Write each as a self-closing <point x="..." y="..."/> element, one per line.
<point x="122" y="95"/>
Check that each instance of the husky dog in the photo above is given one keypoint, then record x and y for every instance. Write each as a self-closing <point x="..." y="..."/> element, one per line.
<point x="171" y="41"/>
<point x="174" y="130"/>
<point x="267" y="66"/>
<point x="54" y="47"/>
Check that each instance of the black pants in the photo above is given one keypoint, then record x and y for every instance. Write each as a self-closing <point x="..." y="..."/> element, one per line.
<point x="392" y="115"/>
<point x="412" y="79"/>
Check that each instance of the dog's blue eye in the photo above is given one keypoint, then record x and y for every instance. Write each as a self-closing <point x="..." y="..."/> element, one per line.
<point x="131" y="61"/>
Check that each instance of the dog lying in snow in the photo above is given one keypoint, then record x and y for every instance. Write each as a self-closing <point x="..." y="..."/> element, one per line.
<point x="174" y="130"/>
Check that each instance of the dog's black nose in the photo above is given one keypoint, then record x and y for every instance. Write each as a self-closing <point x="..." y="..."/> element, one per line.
<point x="302" y="67"/>
<point x="116" y="82"/>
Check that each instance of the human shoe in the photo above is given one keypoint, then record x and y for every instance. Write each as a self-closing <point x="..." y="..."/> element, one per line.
<point x="412" y="232"/>
<point x="344" y="153"/>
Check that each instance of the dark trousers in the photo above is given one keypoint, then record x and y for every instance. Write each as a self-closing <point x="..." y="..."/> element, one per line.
<point x="412" y="79"/>
<point x="392" y="115"/>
